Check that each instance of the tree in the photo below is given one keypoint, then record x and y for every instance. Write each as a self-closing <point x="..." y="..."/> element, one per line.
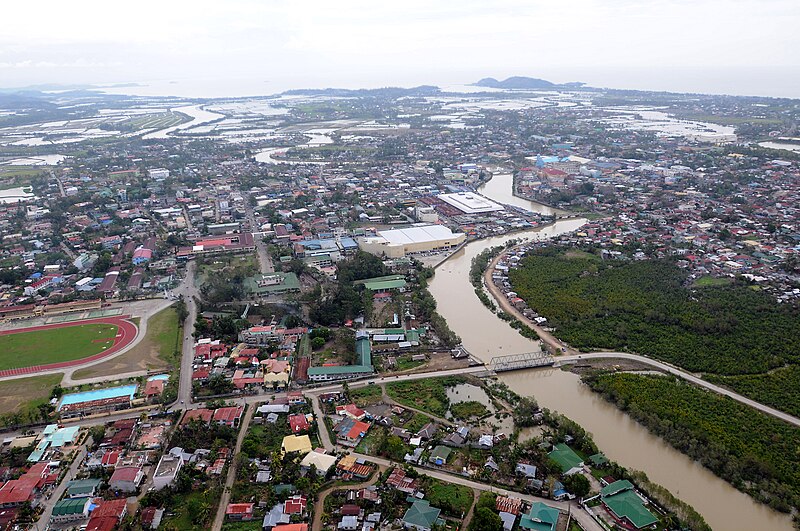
<point x="577" y="484"/>
<point x="485" y="519"/>
<point x="317" y="343"/>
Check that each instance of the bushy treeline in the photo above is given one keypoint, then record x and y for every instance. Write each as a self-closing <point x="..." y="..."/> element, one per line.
<point x="754" y="452"/>
<point x="645" y="307"/>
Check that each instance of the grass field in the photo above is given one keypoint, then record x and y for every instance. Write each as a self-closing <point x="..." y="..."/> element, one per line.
<point x="53" y="345"/>
<point x="155" y="351"/>
<point x="26" y="393"/>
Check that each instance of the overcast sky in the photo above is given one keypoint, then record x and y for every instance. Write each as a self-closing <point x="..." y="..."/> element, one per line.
<point x="239" y="47"/>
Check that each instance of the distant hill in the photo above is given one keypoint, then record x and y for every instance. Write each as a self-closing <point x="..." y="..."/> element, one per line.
<point x="520" y="82"/>
<point x="392" y="92"/>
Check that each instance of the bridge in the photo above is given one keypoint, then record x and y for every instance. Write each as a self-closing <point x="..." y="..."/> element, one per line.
<point x="516" y="362"/>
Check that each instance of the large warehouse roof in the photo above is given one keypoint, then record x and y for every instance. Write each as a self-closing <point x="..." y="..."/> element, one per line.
<point x="470" y="203"/>
<point x="424" y="233"/>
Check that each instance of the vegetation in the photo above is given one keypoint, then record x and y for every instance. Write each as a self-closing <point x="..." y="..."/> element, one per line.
<point x="453" y="500"/>
<point x="468" y="409"/>
<point x="344" y="301"/>
<point x="644" y="307"/>
<point x="366" y="396"/>
<point x="776" y="388"/>
<point x="25" y="400"/>
<point x="52" y="345"/>
<point x="754" y="452"/>
<point x="426" y="395"/>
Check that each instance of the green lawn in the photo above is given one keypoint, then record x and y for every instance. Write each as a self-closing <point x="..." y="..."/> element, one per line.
<point x="54" y="345"/>
<point x="165" y="331"/>
<point x="426" y="395"/>
<point x="453" y="500"/>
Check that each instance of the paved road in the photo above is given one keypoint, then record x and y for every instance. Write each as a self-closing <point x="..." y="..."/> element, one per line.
<point x="44" y="519"/>
<point x="189" y="291"/>
<point x="226" y="491"/>
<point x="264" y="259"/>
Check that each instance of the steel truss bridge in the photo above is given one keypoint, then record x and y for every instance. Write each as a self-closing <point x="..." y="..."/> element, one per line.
<point x="516" y="362"/>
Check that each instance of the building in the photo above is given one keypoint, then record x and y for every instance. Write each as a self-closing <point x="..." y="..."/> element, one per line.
<point x="397" y="243"/>
<point x="82" y="488"/>
<point x="342" y="372"/>
<point x="107" y="515"/>
<point x="229" y="243"/>
<point x="566" y="459"/>
<point x="242" y="512"/>
<point x="166" y="471"/>
<point x="228" y="416"/>
<point x="16" y="492"/>
<point x="158" y="174"/>
<point x="421" y="516"/>
<point x="298" y="423"/>
<point x="296" y="443"/>
<point x="541" y="517"/>
<point x="272" y="284"/>
<point x="96" y="401"/>
<point x="624" y="504"/>
<point x="470" y="202"/>
<point x="70" y="510"/>
<point x="126" y="479"/>
<point x="321" y="462"/>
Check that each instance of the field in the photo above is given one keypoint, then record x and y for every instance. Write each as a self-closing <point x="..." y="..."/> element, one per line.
<point x="454" y="500"/>
<point x="52" y="345"/>
<point x="753" y="451"/>
<point x="152" y="121"/>
<point x="24" y="394"/>
<point x="154" y="351"/>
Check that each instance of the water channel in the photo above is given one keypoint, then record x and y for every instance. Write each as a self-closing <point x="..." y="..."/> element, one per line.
<point x="618" y="436"/>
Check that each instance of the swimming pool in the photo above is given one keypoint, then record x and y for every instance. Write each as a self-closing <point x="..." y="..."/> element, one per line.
<point x="98" y="394"/>
<point x="158" y="377"/>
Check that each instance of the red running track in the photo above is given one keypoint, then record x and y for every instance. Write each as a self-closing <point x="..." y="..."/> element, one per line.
<point x="126" y="333"/>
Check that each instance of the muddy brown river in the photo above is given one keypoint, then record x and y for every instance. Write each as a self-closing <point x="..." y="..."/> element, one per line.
<point x="618" y="436"/>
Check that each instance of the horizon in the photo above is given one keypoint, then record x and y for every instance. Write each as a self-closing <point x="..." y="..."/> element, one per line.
<point x="247" y="48"/>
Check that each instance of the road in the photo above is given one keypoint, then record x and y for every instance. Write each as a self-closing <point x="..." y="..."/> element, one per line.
<point x="226" y="491"/>
<point x="44" y="519"/>
<point x="190" y="293"/>
<point x="264" y="259"/>
<point x="319" y="506"/>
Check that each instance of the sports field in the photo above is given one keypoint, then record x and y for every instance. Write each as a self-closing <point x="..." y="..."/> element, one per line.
<point x="52" y="345"/>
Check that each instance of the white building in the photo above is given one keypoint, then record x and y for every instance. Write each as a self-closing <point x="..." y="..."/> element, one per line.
<point x="158" y="173"/>
<point x="166" y="471"/>
<point x="470" y="203"/>
<point x="396" y="243"/>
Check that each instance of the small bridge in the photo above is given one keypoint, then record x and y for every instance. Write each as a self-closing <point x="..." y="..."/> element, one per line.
<point x="516" y="362"/>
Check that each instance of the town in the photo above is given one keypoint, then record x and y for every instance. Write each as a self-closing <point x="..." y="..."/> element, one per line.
<point x="221" y="314"/>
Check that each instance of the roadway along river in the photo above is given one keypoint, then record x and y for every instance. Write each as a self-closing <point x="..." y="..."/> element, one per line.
<point x="621" y="438"/>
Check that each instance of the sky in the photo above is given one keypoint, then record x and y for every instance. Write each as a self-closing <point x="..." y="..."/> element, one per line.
<point x="253" y="47"/>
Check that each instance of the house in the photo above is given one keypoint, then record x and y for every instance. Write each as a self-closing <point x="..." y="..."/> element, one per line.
<point x="401" y="482"/>
<point x="355" y="467"/>
<point x="298" y="423"/>
<point x="541" y="517"/>
<point x="427" y="431"/>
<point x="439" y="455"/>
<point x="201" y="415"/>
<point x="322" y="462"/>
<point x="352" y="411"/>
<point x="524" y="469"/>
<point x="508" y="520"/>
<point x="151" y="517"/>
<point x="295" y="505"/>
<point x="126" y="479"/>
<point x="296" y="443"/>
<point x="70" y="510"/>
<point x="421" y="516"/>
<point x="351" y="432"/>
<point x="166" y="471"/>
<point x="624" y="504"/>
<point x="566" y="459"/>
<point x="348" y="523"/>
<point x="275" y="517"/>
<point x="290" y="527"/>
<point x="228" y="416"/>
<point x="508" y="504"/>
<point x="107" y="515"/>
<point x="82" y="488"/>
<point x="239" y="511"/>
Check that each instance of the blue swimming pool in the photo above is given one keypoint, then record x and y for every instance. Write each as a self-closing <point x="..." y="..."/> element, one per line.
<point x="158" y="377"/>
<point x="98" y="394"/>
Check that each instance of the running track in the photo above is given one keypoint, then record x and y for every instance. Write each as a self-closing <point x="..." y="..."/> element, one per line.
<point x="126" y="333"/>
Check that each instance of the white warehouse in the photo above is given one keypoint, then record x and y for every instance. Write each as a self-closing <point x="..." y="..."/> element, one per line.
<point x="397" y="243"/>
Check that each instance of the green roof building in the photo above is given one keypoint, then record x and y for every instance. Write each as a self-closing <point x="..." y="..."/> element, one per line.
<point x="439" y="455"/>
<point x="70" y="509"/>
<point x="421" y="516"/>
<point x="541" y="517"/>
<point x="622" y="500"/>
<point x="598" y="459"/>
<point x="341" y="372"/>
<point x="82" y="488"/>
<point x="271" y="284"/>
<point x="565" y="458"/>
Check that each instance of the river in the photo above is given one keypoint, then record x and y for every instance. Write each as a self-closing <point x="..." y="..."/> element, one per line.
<point x="198" y="114"/>
<point x="619" y="437"/>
